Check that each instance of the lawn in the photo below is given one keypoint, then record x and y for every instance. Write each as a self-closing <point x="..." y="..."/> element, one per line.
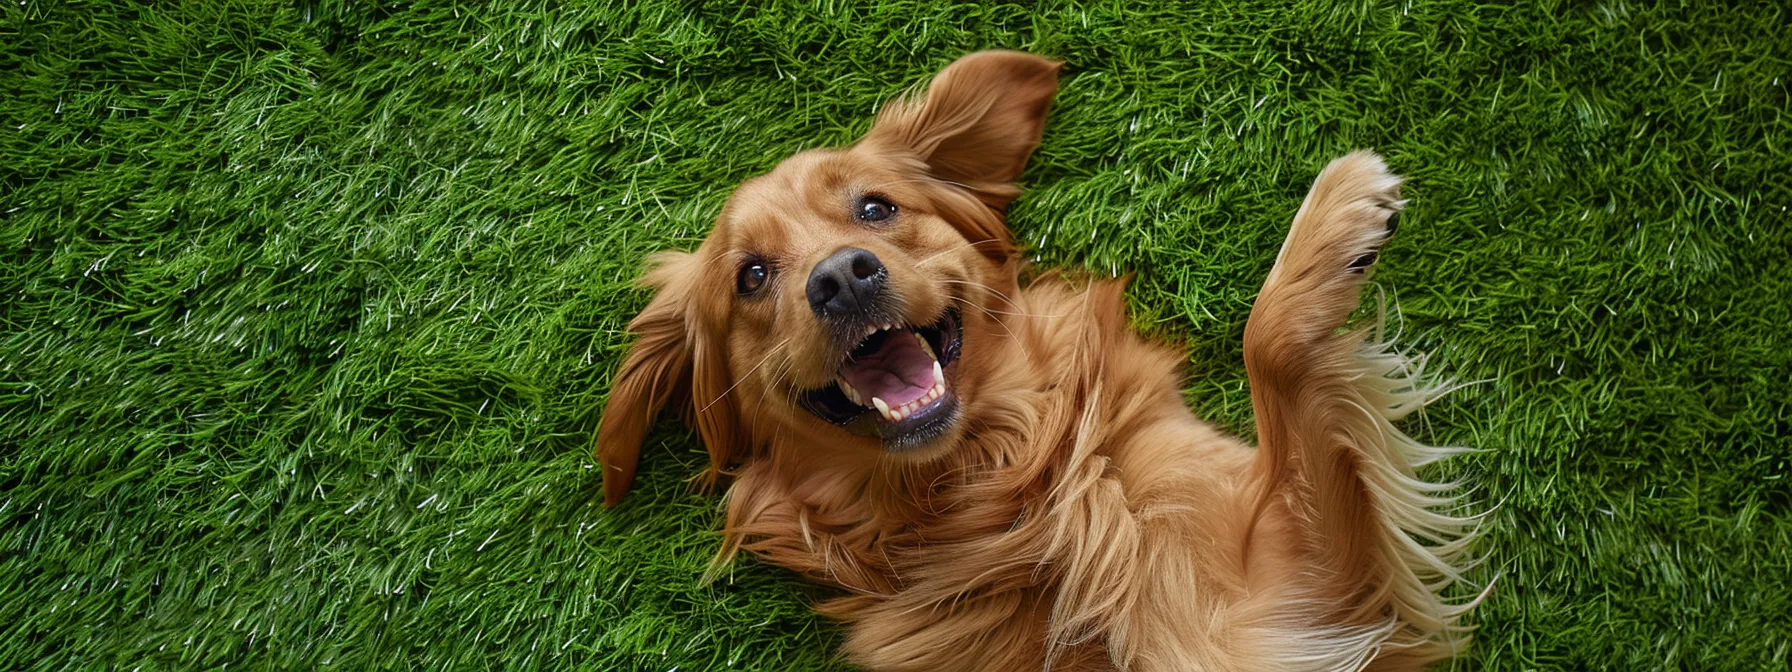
<point x="307" y="309"/>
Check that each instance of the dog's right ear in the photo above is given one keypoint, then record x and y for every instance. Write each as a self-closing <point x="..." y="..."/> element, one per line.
<point x="974" y="128"/>
<point x="673" y="360"/>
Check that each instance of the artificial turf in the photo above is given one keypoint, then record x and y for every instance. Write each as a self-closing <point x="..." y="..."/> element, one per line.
<point x="309" y="308"/>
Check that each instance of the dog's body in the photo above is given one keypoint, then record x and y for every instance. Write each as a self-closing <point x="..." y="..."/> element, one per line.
<point x="1048" y="501"/>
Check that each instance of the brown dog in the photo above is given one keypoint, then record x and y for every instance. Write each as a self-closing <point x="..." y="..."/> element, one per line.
<point x="1000" y="475"/>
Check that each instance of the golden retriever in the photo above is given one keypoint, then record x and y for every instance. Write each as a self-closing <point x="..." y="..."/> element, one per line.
<point x="993" y="470"/>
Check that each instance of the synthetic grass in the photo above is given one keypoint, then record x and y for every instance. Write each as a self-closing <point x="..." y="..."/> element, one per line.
<point x="309" y="308"/>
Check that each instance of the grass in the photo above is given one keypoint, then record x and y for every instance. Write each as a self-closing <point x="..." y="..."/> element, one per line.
<point x="309" y="308"/>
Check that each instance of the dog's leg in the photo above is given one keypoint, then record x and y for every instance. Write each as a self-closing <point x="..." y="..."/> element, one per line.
<point x="1325" y="399"/>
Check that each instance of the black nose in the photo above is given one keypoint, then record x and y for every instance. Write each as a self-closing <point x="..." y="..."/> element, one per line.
<point x="845" y="283"/>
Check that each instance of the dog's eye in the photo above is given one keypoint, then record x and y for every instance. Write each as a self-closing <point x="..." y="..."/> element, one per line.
<point x="874" y="209"/>
<point x="752" y="277"/>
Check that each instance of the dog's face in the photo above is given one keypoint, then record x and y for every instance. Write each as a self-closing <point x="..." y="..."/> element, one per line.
<point x="848" y="282"/>
<point x="847" y="298"/>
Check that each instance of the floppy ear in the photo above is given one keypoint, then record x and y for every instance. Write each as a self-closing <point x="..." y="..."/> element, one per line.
<point x="978" y="122"/>
<point x="677" y="358"/>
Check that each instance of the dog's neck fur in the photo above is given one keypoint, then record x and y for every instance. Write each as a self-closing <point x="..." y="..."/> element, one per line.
<point x="1027" y="505"/>
<point x="851" y="519"/>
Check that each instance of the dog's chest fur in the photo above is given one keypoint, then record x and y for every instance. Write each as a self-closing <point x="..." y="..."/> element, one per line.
<point x="1080" y="440"/>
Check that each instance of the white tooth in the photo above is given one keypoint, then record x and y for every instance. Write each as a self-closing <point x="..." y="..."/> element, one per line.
<point x="939" y="375"/>
<point x="870" y="329"/>
<point x="883" y="409"/>
<point x="851" y="394"/>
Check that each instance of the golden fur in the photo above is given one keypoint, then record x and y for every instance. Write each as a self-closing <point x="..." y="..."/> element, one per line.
<point x="1077" y="516"/>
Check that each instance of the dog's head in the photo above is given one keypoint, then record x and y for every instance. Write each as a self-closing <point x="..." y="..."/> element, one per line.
<point x="848" y="297"/>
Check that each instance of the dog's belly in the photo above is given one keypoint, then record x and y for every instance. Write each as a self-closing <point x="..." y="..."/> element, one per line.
<point x="1143" y="540"/>
<point x="1119" y="517"/>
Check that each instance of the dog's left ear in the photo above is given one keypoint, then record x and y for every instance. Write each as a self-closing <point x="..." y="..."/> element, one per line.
<point x="978" y="122"/>
<point x="677" y="359"/>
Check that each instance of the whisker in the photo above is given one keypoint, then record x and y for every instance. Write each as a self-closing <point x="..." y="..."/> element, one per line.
<point x="743" y="377"/>
<point x="1014" y="314"/>
<point x="784" y="370"/>
<point x="987" y="288"/>
<point x="954" y="248"/>
<point x="790" y="394"/>
<point x="777" y="378"/>
<point x="1017" y="342"/>
<point x="991" y="315"/>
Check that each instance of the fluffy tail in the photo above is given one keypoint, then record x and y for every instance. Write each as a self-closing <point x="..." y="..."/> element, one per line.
<point x="1386" y="541"/>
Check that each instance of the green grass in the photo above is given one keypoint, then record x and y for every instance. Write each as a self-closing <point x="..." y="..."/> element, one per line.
<point x="308" y="309"/>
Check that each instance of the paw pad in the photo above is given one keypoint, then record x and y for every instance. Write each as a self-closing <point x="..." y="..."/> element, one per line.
<point x="1362" y="262"/>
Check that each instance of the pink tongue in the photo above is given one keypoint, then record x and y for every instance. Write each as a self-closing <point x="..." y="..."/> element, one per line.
<point x="898" y="373"/>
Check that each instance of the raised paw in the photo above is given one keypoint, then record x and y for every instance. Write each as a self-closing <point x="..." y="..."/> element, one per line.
<point x="1351" y="211"/>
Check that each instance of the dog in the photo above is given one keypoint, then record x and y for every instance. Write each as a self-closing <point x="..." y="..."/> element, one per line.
<point x="991" y="468"/>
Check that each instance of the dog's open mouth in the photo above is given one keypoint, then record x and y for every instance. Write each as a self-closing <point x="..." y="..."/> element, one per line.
<point x="894" y="384"/>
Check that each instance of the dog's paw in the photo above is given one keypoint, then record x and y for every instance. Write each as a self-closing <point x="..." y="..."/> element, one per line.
<point x="1352" y="210"/>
